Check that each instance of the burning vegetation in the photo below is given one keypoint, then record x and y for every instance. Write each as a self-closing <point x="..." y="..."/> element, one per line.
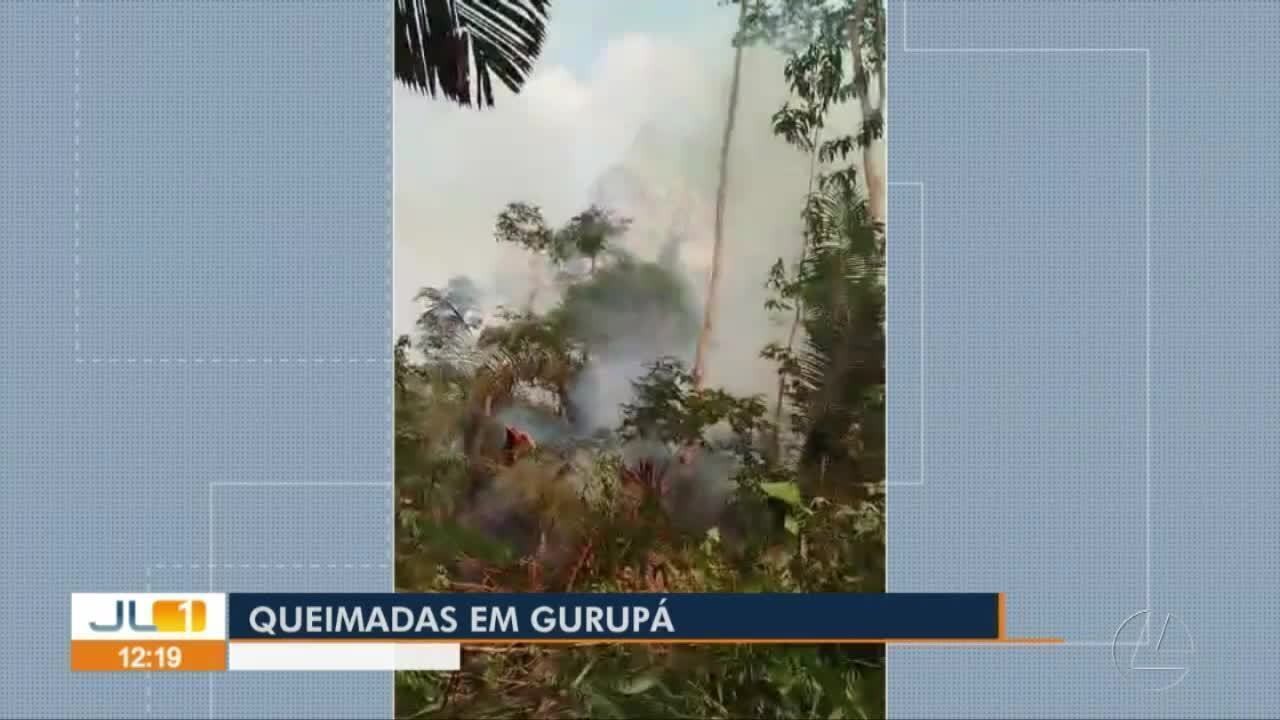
<point x="571" y="450"/>
<point x="576" y="439"/>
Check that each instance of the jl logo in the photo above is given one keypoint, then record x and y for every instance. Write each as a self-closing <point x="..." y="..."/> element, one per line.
<point x="119" y="622"/>
<point x="180" y="616"/>
<point x="1153" y="650"/>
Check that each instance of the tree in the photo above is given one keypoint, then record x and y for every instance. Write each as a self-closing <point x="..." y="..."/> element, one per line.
<point x="866" y="37"/>
<point x="859" y="26"/>
<point x="597" y="309"/>
<point x="814" y="73"/>
<point x="532" y="351"/>
<point x="837" y="389"/>
<point x="587" y="235"/>
<point x="449" y="316"/>
<point x="722" y="191"/>
<point x="455" y="48"/>
<point x="835" y="382"/>
<point x="834" y="379"/>
<point x="522" y="224"/>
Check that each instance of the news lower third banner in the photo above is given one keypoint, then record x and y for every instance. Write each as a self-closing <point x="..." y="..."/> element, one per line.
<point x="393" y="631"/>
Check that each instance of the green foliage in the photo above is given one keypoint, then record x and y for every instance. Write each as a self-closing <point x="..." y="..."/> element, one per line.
<point x="522" y="224"/>
<point x="712" y="681"/>
<point x="668" y="407"/>
<point x="587" y="235"/>
<point x="832" y="378"/>
<point x="831" y="546"/>
<point x="787" y="492"/>
<point x="836" y="379"/>
<point x="820" y="67"/>
<point x="788" y="25"/>
<point x="795" y="26"/>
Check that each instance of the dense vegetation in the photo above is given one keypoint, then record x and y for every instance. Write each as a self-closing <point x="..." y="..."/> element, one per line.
<point x="692" y="488"/>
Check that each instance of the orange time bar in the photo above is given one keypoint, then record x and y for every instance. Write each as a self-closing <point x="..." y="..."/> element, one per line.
<point x="148" y="655"/>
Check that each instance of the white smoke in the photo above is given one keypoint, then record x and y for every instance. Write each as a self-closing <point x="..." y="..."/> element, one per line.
<point x="640" y="135"/>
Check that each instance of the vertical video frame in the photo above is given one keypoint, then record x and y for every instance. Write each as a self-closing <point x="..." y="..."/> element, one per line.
<point x="639" y="304"/>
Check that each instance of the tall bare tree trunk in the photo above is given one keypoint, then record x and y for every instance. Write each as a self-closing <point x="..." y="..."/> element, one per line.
<point x="877" y="163"/>
<point x="722" y="191"/>
<point x="873" y="171"/>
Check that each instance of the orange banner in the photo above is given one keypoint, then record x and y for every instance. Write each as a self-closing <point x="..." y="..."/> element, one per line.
<point x="148" y="655"/>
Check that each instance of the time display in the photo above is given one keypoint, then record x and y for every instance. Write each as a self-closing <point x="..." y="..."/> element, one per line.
<point x="156" y="657"/>
<point x="148" y="655"/>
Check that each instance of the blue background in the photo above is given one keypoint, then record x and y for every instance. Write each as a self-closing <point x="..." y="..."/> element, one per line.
<point x="1022" y="453"/>
<point x="196" y="294"/>
<point x="215" y="311"/>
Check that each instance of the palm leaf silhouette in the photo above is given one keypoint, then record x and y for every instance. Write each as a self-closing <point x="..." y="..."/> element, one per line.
<point x="455" y="48"/>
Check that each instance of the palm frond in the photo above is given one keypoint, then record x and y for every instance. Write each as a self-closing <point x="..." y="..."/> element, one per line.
<point x="455" y="48"/>
<point x="840" y="361"/>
